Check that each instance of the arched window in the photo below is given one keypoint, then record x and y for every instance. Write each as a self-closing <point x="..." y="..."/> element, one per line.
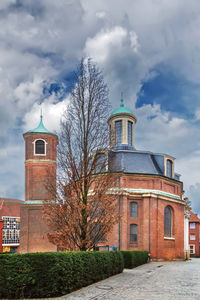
<point x="118" y="132"/>
<point x="130" y="133"/>
<point x="168" y="221"/>
<point x="133" y="233"/>
<point x="40" y="147"/>
<point x="133" y="209"/>
<point x="169" y="168"/>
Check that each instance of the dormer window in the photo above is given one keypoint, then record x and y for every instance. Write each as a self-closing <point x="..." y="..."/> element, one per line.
<point x="39" y="147"/>
<point x="169" y="168"/>
<point x="100" y="165"/>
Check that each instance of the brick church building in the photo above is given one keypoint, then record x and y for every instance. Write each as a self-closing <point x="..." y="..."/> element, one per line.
<point x="150" y="200"/>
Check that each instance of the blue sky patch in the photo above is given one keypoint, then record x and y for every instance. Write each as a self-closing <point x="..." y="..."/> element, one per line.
<point x="172" y="91"/>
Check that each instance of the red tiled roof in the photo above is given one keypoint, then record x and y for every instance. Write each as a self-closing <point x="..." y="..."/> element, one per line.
<point x="193" y="217"/>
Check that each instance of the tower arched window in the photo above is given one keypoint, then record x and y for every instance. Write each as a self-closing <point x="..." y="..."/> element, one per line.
<point x="169" y="168"/>
<point x="40" y="147"/>
<point x="118" y="132"/>
<point x="168" y="220"/>
<point x="130" y="133"/>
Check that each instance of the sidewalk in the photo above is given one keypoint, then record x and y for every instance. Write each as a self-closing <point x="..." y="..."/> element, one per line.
<point x="152" y="281"/>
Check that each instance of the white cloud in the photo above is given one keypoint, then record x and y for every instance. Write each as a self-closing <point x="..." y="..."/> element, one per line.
<point x="28" y="92"/>
<point x="102" y="45"/>
<point x="197" y="114"/>
<point x="51" y="111"/>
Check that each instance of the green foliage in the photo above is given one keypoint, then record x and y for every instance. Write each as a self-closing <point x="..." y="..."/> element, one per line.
<point x="39" y="275"/>
<point x="134" y="258"/>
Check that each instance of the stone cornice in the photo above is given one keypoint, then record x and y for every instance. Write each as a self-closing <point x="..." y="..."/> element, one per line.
<point x="40" y="161"/>
<point x="36" y="202"/>
<point x="148" y="193"/>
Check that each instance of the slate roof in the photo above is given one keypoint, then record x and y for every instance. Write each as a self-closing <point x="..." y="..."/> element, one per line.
<point x="135" y="161"/>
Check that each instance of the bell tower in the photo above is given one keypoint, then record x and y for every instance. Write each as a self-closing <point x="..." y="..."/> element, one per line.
<point x="40" y="167"/>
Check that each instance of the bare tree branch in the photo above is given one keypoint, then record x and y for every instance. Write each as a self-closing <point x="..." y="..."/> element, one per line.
<point x="84" y="210"/>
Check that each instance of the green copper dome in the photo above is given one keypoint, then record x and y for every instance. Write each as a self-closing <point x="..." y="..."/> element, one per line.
<point x="122" y="109"/>
<point x="40" y="128"/>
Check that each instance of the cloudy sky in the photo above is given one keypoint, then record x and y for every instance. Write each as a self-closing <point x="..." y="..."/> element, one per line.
<point x="148" y="49"/>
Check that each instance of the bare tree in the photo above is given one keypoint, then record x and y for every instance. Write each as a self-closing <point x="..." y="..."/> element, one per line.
<point x="84" y="212"/>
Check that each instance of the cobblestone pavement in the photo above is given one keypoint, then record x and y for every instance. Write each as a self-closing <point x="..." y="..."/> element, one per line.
<point x="152" y="281"/>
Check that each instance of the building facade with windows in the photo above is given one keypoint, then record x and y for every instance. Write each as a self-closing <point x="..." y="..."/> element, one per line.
<point x="10" y="225"/>
<point x="149" y="194"/>
<point x="194" y="222"/>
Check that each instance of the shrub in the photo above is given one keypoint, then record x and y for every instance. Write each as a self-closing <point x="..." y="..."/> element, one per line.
<point x="134" y="258"/>
<point x="39" y="275"/>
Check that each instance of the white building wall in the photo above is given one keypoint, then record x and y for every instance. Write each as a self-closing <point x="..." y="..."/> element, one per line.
<point x="186" y="237"/>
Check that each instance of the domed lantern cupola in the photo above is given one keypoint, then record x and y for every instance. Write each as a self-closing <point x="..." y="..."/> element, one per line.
<point x="122" y="122"/>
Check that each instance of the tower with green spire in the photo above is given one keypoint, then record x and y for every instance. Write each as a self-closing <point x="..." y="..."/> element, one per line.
<point x="41" y="128"/>
<point x="121" y="123"/>
<point x="40" y="167"/>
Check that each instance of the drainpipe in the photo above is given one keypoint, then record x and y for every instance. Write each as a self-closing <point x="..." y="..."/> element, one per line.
<point x="119" y="202"/>
<point x="149" y="225"/>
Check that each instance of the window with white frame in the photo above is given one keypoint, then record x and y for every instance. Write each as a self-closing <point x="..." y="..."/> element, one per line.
<point x="192" y="249"/>
<point x="192" y="225"/>
<point x="168" y="221"/>
<point x="11" y="230"/>
<point x="192" y="237"/>
<point x="39" y="147"/>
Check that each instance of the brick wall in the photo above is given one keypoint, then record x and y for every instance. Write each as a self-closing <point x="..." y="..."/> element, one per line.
<point x="150" y="218"/>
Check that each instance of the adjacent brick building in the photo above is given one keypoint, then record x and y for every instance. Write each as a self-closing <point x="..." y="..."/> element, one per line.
<point x="9" y="225"/>
<point x="194" y="222"/>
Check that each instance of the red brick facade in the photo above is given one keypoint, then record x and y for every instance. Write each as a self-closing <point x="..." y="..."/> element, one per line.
<point x="38" y="169"/>
<point x="194" y="222"/>
<point x="150" y="219"/>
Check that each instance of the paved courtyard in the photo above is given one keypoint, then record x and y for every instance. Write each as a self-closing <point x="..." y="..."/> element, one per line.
<point x="152" y="281"/>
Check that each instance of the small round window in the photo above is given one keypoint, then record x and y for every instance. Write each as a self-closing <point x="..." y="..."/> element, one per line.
<point x="40" y="147"/>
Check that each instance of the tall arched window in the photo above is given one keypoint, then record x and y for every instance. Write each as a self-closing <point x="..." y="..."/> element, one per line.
<point x="130" y="133"/>
<point x="169" y="168"/>
<point x="40" y="147"/>
<point x="133" y="209"/>
<point x="118" y="132"/>
<point x="168" y="215"/>
<point x="133" y="233"/>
